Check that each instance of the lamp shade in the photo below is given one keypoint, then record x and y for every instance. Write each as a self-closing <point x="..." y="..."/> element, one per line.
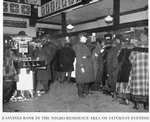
<point x="70" y="27"/>
<point x="108" y="18"/>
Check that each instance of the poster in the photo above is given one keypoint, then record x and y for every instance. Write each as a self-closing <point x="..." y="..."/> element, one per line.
<point x="23" y="47"/>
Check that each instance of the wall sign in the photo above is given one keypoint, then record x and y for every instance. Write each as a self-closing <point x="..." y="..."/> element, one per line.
<point x="56" y="5"/>
<point x="16" y="8"/>
<point x="11" y="23"/>
<point x="23" y="47"/>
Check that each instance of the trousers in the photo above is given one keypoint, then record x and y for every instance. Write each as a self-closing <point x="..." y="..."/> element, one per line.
<point x="83" y="88"/>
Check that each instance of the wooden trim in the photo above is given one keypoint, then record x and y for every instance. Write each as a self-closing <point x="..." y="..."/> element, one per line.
<point x="123" y="13"/>
<point x="88" y="21"/>
<point x="49" y="23"/>
<point x="59" y="11"/>
<point x="110" y="28"/>
<point x="15" y="15"/>
<point x="134" y="11"/>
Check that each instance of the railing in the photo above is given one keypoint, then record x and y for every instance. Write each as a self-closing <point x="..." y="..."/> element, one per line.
<point x="16" y="8"/>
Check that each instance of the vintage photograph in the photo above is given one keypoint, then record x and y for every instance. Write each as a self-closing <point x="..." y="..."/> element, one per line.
<point x="67" y="56"/>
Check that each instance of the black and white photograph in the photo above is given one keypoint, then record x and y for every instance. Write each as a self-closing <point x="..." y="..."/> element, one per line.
<point x="75" y="60"/>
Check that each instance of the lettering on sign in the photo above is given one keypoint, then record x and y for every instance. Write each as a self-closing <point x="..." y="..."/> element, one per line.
<point x="23" y="47"/>
<point x="11" y="23"/>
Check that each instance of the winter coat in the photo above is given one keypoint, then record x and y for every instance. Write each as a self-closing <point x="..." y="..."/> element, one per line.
<point x="46" y="55"/>
<point x="139" y="75"/>
<point x="95" y="55"/>
<point x="112" y="66"/>
<point x="56" y="61"/>
<point x="83" y="57"/>
<point x="67" y="56"/>
<point x="100" y="68"/>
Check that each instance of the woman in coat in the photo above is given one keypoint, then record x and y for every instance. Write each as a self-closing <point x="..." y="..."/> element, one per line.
<point x="123" y="84"/>
<point x="139" y="76"/>
<point x="84" y="72"/>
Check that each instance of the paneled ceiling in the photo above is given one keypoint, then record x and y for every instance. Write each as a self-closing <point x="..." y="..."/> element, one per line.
<point x="91" y="11"/>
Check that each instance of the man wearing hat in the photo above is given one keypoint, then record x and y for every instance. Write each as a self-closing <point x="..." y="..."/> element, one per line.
<point x="84" y="73"/>
<point x="112" y="64"/>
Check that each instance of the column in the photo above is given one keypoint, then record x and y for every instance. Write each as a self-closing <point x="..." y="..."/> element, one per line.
<point x="63" y="21"/>
<point x="116" y="9"/>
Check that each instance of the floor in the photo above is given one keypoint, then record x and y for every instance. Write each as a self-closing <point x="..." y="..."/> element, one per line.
<point x="64" y="98"/>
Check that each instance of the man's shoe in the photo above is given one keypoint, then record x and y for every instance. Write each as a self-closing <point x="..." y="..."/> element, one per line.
<point x="146" y="107"/>
<point x="82" y="96"/>
<point x="124" y="103"/>
<point x="136" y="106"/>
<point x="114" y="95"/>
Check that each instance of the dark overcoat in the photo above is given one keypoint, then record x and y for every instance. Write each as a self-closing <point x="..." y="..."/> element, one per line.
<point x="56" y="61"/>
<point x="46" y="55"/>
<point x="112" y="66"/>
<point x="83" y="60"/>
<point x="67" y="56"/>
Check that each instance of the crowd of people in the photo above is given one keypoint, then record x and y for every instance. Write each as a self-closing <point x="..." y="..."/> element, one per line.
<point x="117" y="67"/>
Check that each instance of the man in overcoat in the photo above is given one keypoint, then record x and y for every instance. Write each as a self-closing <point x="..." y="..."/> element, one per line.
<point x="112" y="64"/>
<point x="67" y="57"/>
<point x="44" y="75"/>
<point x="84" y="69"/>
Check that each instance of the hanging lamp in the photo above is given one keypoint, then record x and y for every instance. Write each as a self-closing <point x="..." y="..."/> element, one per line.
<point x="108" y="18"/>
<point x="70" y="26"/>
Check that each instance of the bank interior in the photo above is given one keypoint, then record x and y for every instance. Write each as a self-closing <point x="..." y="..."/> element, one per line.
<point x="29" y="23"/>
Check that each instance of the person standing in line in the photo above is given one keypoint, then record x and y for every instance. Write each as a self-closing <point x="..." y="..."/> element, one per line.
<point x="112" y="65"/>
<point x="104" y="52"/>
<point x="44" y="75"/>
<point x="95" y="53"/>
<point x="139" y="75"/>
<point x="10" y="76"/>
<point x="56" y="66"/>
<point x="123" y="84"/>
<point x="98" y="66"/>
<point x="84" y="73"/>
<point x="67" y="57"/>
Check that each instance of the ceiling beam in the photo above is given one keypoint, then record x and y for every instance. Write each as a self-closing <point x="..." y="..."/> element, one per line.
<point x="109" y="28"/>
<point x="120" y="14"/>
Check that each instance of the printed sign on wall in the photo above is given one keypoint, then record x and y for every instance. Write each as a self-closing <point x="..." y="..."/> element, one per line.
<point x="23" y="47"/>
<point x="11" y="23"/>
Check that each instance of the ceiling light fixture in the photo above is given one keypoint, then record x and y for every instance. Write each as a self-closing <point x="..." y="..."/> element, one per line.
<point x="70" y="26"/>
<point x="108" y="18"/>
